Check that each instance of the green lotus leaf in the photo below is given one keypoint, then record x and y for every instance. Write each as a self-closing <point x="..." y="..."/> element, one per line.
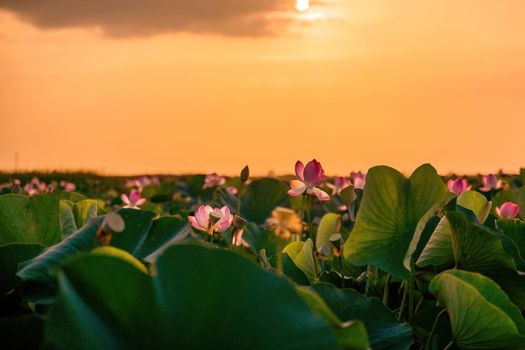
<point x="438" y="250"/>
<point x="262" y="196"/>
<point x="351" y="335"/>
<point x="481" y="314"/>
<point x="515" y="231"/>
<point x="302" y="254"/>
<point x="198" y="298"/>
<point x="392" y="216"/>
<point x="327" y="227"/>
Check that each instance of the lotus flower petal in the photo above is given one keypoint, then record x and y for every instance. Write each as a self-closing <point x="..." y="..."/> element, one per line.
<point x="299" y="169"/>
<point x="194" y="223"/>
<point x="297" y="188"/>
<point x="124" y="198"/>
<point x="202" y="216"/>
<point x="320" y="194"/>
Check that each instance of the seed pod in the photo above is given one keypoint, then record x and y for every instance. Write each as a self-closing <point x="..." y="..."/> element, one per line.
<point x="214" y="218"/>
<point x="239" y="222"/>
<point x="114" y="223"/>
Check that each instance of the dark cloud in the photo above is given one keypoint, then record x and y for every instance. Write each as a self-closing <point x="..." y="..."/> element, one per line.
<point x="143" y="17"/>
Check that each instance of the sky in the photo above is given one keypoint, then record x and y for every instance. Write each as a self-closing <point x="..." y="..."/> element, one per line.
<point x="131" y="87"/>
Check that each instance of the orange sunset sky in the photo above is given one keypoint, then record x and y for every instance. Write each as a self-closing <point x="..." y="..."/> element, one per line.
<point x="128" y="87"/>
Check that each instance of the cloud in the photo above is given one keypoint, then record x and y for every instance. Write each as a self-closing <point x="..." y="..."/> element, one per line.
<point x="123" y="18"/>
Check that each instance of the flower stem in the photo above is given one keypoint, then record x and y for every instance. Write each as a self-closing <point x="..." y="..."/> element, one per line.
<point x="433" y="329"/>
<point x="411" y="298"/>
<point x="311" y="233"/>
<point x="232" y="236"/>
<point x="403" y="301"/>
<point x="449" y="345"/>
<point x="342" y="271"/>
<point x="301" y="215"/>
<point x="418" y="305"/>
<point x="368" y="274"/>
<point x="239" y="200"/>
<point x="386" y="290"/>
<point x="280" y="262"/>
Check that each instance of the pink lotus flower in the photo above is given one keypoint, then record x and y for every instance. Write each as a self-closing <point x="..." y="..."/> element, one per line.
<point x="358" y="179"/>
<point x="311" y="176"/>
<point x="133" y="183"/>
<point x="30" y="190"/>
<point x="134" y="199"/>
<point x="68" y="186"/>
<point x="201" y="221"/>
<point x="36" y="186"/>
<point x="458" y="186"/>
<point x="15" y="185"/>
<point x="508" y="210"/>
<point x="213" y="180"/>
<point x="39" y="185"/>
<point x="238" y="240"/>
<point x="340" y="183"/>
<point x="232" y="190"/>
<point x="154" y="181"/>
<point x="490" y="182"/>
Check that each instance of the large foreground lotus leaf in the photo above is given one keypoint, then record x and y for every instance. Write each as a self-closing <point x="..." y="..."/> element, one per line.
<point x="476" y="248"/>
<point x="32" y="220"/>
<point x="199" y="298"/>
<point x="438" y="251"/>
<point x="392" y="216"/>
<point x="27" y="225"/>
<point x="10" y="257"/>
<point x="384" y="331"/>
<point x="141" y="236"/>
<point x="515" y="231"/>
<point x="24" y="332"/>
<point x="351" y="335"/>
<point x="261" y="198"/>
<point x="75" y="215"/>
<point x="481" y="314"/>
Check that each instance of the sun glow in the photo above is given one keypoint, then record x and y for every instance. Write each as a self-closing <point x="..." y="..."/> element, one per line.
<point x="302" y="5"/>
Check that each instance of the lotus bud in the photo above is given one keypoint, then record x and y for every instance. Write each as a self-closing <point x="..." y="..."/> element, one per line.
<point x="508" y="210"/>
<point x="458" y="186"/>
<point x="245" y="174"/>
<point x="358" y="180"/>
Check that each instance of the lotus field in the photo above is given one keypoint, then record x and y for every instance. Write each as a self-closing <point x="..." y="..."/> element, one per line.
<point x="375" y="261"/>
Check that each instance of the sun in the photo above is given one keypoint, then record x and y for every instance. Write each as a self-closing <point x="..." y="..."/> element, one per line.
<point x="302" y="5"/>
